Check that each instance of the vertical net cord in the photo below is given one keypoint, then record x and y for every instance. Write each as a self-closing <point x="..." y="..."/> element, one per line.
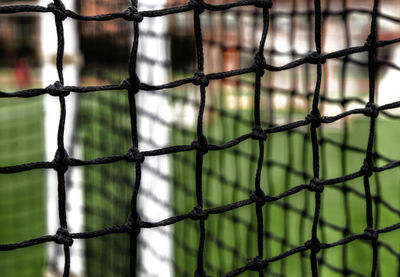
<point x="134" y="219"/>
<point x="306" y="203"/>
<point x="259" y="60"/>
<point x="315" y="247"/>
<point x="268" y="225"/>
<point x="61" y="154"/>
<point x="321" y="132"/>
<point x="368" y="163"/>
<point x="375" y="200"/>
<point x="345" y="138"/>
<point x="202" y="140"/>
<point x="250" y="166"/>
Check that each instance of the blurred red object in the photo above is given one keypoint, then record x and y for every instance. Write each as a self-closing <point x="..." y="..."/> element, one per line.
<point x="22" y="73"/>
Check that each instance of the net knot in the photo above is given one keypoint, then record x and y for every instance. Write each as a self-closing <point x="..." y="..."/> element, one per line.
<point x="197" y="5"/>
<point x="134" y="225"/>
<point x="258" y="197"/>
<point x="60" y="160"/>
<point x="267" y="4"/>
<point x="134" y="155"/>
<point x="314" y="118"/>
<point x="58" y="10"/>
<point x="258" y="134"/>
<point x="132" y="14"/>
<point x="313" y="244"/>
<point x="198" y="213"/>
<point x="63" y="237"/>
<point x="131" y="85"/>
<point x="316" y="185"/>
<point x="200" y="79"/>
<point x="254" y="264"/>
<point x="370" y="234"/>
<point x="371" y="110"/>
<point x="367" y="168"/>
<point x="201" y="145"/>
<point x="259" y="63"/>
<point x="316" y="58"/>
<point x="57" y="89"/>
<point x="370" y="41"/>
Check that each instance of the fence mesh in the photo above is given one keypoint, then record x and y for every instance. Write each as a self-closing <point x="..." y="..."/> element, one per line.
<point x="231" y="194"/>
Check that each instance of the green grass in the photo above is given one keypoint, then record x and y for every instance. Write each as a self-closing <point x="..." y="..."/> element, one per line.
<point x="228" y="176"/>
<point x="22" y="204"/>
<point x="104" y="129"/>
<point x="232" y="179"/>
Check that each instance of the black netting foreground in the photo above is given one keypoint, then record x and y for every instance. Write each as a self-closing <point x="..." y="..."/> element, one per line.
<point x="262" y="198"/>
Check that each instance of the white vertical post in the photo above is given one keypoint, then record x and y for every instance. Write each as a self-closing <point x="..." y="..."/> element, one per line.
<point x="156" y="249"/>
<point x="388" y="90"/>
<point x="48" y="40"/>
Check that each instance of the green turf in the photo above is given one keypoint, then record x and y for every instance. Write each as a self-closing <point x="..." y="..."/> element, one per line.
<point x="232" y="179"/>
<point x="104" y="130"/>
<point x="22" y="204"/>
<point x="228" y="176"/>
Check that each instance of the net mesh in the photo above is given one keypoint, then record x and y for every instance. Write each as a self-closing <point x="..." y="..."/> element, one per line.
<point x="236" y="199"/>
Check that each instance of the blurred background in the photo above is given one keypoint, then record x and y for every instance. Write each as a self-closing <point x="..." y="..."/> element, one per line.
<point x="98" y="125"/>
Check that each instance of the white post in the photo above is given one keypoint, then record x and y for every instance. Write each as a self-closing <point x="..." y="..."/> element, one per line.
<point x="388" y="90"/>
<point x="156" y="249"/>
<point x="48" y="39"/>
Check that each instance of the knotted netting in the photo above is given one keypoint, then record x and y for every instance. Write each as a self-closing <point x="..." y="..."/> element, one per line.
<point x="277" y="173"/>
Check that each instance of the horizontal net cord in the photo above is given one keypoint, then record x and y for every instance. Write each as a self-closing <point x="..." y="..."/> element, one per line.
<point x="312" y="58"/>
<point x="133" y="154"/>
<point x="272" y="200"/>
<point x="292" y="170"/>
<point x="322" y="140"/>
<point x="261" y="263"/>
<point x="185" y="8"/>
<point x="315" y="185"/>
<point x="131" y="14"/>
<point x="273" y="51"/>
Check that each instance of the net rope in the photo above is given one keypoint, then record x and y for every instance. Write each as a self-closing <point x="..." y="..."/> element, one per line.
<point x="132" y="85"/>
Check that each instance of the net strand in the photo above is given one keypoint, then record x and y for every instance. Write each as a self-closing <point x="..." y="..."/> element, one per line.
<point x="62" y="237"/>
<point x="133" y="86"/>
<point x="201" y="144"/>
<point x="134" y="219"/>
<point x="259" y="135"/>
<point x="345" y="140"/>
<point x="314" y="117"/>
<point x="373" y="113"/>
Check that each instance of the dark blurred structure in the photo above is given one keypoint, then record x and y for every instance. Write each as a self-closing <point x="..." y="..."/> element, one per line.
<point x="19" y="37"/>
<point x="109" y="39"/>
<point x="19" y="46"/>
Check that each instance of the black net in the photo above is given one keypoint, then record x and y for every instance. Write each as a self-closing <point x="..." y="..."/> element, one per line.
<point x="278" y="160"/>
